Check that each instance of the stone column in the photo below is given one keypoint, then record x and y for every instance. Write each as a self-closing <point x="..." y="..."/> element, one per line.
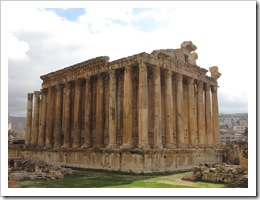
<point x="112" y="110"/>
<point x="29" y="119"/>
<point x="35" y="125"/>
<point x="201" y="117"/>
<point x="168" y="109"/>
<point x="208" y="119"/>
<point x="143" y="107"/>
<point x="215" y="114"/>
<point x="127" y="109"/>
<point x="67" y="114"/>
<point x="100" y="113"/>
<point x="192" y="121"/>
<point x="180" y="115"/>
<point x="49" y="119"/>
<point x="76" y="136"/>
<point x="157" y="108"/>
<point x="87" y="131"/>
<point x="58" y="117"/>
<point x="41" y="137"/>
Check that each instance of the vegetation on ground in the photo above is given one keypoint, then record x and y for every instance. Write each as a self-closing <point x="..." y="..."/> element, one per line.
<point x="107" y="179"/>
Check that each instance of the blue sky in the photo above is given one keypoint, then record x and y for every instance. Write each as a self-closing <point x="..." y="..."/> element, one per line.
<point x="70" y="14"/>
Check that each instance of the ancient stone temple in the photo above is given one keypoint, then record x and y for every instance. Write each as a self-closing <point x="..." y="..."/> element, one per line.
<point x="143" y="113"/>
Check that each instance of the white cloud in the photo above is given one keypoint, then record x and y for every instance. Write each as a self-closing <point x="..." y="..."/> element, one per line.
<point x="17" y="49"/>
<point x="223" y="32"/>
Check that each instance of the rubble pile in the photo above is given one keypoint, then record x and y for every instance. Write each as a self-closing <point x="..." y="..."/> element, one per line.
<point x="34" y="169"/>
<point x="220" y="172"/>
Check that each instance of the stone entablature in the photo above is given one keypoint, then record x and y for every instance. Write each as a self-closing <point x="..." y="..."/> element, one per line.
<point x="101" y="65"/>
<point x="157" y="100"/>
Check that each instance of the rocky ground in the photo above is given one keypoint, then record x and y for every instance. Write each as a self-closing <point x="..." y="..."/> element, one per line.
<point x="34" y="169"/>
<point x="221" y="172"/>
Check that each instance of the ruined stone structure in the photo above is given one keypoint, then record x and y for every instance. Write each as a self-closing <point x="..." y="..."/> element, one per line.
<point x="161" y="105"/>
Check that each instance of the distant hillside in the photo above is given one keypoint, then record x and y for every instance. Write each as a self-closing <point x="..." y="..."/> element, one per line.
<point x="18" y="123"/>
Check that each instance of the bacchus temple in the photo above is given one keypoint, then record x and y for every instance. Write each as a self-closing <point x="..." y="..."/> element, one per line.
<point x="143" y="113"/>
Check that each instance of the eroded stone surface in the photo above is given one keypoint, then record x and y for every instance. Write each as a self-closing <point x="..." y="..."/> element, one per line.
<point x="220" y="172"/>
<point x="34" y="169"/>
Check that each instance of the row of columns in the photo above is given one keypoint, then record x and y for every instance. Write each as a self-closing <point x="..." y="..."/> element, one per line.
<point x="39" y="126"/>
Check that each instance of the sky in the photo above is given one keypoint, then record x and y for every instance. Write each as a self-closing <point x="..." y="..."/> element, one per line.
<point x="45" y="37"/>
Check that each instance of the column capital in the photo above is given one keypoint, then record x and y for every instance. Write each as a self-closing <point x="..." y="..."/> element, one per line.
<point x="142" y="66"/>
<point x="30" y="95"/>
<point x="179" y="77"/>
<point x="190" y="81"/>
<point x="214" y="88"/>
<point x="156" y="70"/>
<point x="112" y="73"/>
<point x="44" y="91"/>
<point x="200" y="84"/>
<point x="207" y="87"/>
<point x="37" y="94"/>
<point x="58" y="87"/>
<point x="128" y="68"/>
<point x="167" y="73"/>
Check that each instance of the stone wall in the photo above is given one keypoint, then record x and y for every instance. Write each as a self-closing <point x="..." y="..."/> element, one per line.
<point x="136" y="161"/>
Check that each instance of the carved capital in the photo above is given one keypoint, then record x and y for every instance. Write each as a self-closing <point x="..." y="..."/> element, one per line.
<point x="200" y="84"/>
<point x="128" y="69"/>
<point x="179" y="77"/>
<point x="156" y="71"/>
<point x="142" y="66"/>
<point x="207" y="87"/>
<point x="168" y="74"/>
<point x="30" y="95"/>
<point x="112" y="73"/>
<point x="190" y="81"/>
<point x="214" y="88"/>
<point x="37" y="93"/>
<point x="59" y="87"/>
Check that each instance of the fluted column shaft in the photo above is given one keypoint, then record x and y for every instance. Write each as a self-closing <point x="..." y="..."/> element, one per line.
<point x="143" y="107"/>
<point x="87" y="131"/>
<point x="67" y="115"/>
<point x="41" y="136"/>
<point x="192" y="121"/>
<point x="157" y="108"/>
<point x="112" y="109"/>
<point x="180" y="115"/>
<point x="29" y="119"/>
<point x="127" y="110"/>
<point x="58" y="117"/>
<point x="201" y="116"/>
<point x="100" y="113"/>
<point x="35" y="125"/>
<point x="215" y="113"/>
<point x="168" y="109"/>
<point x="208" y="119"/>
<point x="49" y="119"/>
<point x="76" y="136"/>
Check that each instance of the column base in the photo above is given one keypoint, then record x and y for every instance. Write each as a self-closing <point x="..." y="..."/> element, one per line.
<point x="126" y="146"/>
<point x="111" y="146"/>
<point x="144" y="146"/>
<point x="169" y="145"/>
<point x="85" y="146"/>
<point x="75" y="146"/>
<point x="56" y="146"/>
<point x="65" y="146"/>
<point x="158" y="146"/>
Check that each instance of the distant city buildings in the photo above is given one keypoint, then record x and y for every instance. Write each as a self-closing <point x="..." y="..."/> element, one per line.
<point x="233" y="127"/>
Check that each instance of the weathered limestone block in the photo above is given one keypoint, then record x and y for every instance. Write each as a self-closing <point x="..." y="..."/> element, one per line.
<point x="188" y="45"/>
<point x="214" y="72"/>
